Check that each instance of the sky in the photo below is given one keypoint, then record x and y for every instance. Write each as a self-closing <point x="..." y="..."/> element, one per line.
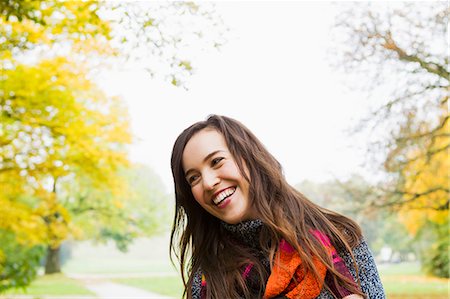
<point x="274" y="76"/>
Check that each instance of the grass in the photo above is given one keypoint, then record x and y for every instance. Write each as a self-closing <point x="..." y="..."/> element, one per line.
<point x="108" y="265"/>
<point x="144" y="256"/>
<point x="400" y="281"/>
<point x="164" y="285"/>
<point x="55" y="284"/>
<point x="407" y="281"/>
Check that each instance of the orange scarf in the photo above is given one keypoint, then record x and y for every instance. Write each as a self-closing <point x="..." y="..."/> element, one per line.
<point x="289" y="278"/>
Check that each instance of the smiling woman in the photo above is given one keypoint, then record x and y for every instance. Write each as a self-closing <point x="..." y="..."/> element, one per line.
<point x="241" y="231"/>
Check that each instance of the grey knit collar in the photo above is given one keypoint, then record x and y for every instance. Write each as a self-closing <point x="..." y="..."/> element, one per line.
<point x="246" y="232"/>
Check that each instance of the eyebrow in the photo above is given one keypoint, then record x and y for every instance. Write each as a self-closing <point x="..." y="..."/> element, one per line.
<point x="204" y="159"/>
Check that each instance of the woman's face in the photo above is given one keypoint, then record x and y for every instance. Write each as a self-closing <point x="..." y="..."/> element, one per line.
<point x="215" y="180"/>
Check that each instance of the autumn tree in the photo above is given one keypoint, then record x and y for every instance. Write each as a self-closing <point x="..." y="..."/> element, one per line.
<point x="69" y="147"/>
<point x="57" y="124"/>
<point x="400" y="50"/>
<point x="22" y="231"/>
<point x="164" y="38"/>
<point x="58" y="130"/>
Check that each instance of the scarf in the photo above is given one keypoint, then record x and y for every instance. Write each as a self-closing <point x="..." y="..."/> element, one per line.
<point x="288" y="279"/>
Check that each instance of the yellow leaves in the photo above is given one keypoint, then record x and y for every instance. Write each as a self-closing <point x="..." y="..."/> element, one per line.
<point x="118" y="204"/>
<point x="56" y="24"/>
<point x="58" y="128"/>
<point x="23" y="33"/>
<point x="64" y="128"/>
<point x="22" y="220"/>
<point x="94" y="46"/>
<point x="56" y="218"/>
<point x="415" y="219"/>
<point x="17" y="213"/>
<point x="427" y="181"/>
<point x="76" y="232"/>
<point x="82" y="125"/>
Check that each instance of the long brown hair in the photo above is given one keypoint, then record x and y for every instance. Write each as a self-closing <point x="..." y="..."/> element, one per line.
<point x="198" y="241"/>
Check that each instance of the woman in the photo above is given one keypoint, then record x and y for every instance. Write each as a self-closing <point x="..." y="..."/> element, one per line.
<point x="241" y="231"/>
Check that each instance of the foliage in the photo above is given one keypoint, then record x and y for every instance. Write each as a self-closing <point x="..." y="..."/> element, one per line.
<point x="165" y="38"/>
<point x="18" y="213"/>
<point x="156" y="36"/>
<point x="138" y="209"/>
<point x="58" y="131"/>
<point x="52" y="27"/>
<point x="18" y="262"/>
<point x="435" y="247"/>
<point x="22" y="230"/>
<point x="401" y="49"/>
<point x="426" y="180"/>
<point x="56" y="124"/>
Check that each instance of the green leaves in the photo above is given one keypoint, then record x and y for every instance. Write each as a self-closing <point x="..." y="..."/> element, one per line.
<point x="18" y="263"/>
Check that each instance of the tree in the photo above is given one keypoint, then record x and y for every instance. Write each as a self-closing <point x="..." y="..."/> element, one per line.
<point x="68" y="146"/>
<point x="57" y="129"/>
<point x="140" y="209"/>
<point x="18" y="262"/>
<point x="401" y="49"/>
<point x="52" y="131"/>
<point x="162" y="38"/>
<point x="165" y="38"/>
<point x="21" y="233"/>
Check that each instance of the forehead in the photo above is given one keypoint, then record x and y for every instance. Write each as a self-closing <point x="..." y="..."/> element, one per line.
<point x="200" y="145"/>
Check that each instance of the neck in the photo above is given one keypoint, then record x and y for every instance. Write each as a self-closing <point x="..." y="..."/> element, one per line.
<point x="246" y="232"/>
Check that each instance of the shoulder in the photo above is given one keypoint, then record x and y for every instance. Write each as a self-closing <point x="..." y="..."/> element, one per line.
<point x="367" y="272"/>
<point x="196" y="288"/>
<point x="367" y="269"/>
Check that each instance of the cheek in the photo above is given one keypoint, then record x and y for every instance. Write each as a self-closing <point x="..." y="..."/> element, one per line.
<point x="231" y="170"/>
<point x="197" y="193"/>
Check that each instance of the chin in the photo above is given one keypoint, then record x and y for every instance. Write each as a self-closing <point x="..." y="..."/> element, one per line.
<point x="232" y="221"/>
<point x="235" y="220"/>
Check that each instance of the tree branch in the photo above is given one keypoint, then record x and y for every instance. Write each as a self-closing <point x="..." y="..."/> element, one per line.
<point x="430" y="67"/>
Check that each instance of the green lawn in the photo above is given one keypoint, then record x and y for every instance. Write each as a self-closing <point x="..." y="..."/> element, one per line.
<point x="56" y="284"/>
<point x="164" y="285"/>
<point x="401" y="281"/>
<point x="407" y="281"/>
<point x="143" y="256"/>
<point x="107" y="265"/>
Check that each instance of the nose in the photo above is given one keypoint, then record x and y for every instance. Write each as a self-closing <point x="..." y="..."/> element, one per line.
<point x="210" y="180"/>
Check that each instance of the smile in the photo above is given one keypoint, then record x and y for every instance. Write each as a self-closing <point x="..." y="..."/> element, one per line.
<point x="223" y="195"/>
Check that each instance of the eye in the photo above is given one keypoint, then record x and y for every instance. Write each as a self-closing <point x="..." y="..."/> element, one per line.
<point x="192" y="180"/>
<point x="216" y="161"/>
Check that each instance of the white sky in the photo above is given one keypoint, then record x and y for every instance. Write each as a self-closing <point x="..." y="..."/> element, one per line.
<point x="273" y="76"/>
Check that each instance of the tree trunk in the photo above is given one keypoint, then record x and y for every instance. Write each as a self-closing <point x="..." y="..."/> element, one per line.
<point x="52" y="263"/>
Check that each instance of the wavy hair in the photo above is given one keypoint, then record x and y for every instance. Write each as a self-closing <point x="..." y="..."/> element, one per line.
<point x="199" y="242"/>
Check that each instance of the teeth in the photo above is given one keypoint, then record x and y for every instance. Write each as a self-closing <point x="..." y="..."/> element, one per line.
<point x="224" y="194"/>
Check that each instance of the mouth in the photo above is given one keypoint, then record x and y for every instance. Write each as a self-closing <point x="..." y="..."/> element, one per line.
<point x="222" y="195"/>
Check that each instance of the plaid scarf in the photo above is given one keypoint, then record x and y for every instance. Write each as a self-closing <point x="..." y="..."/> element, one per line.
<point x="288" y="278"/>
